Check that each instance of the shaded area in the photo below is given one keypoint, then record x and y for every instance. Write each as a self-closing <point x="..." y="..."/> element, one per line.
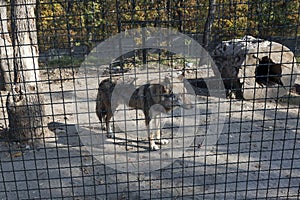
<point x="268" y="73"/>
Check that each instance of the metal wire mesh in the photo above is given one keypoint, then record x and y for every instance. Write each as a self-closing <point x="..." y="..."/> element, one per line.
<point x="252" y="114"/>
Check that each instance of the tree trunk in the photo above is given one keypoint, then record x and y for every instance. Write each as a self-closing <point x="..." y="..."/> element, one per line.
<point x="25" y="115"/>
<point x="6" y="51"/>
<point x="25" y="40"/>
<point x="24" y="103"/>
<point x="209" y="22"/>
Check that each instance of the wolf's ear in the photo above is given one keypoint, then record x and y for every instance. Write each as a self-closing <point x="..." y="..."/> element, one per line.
<point x="168" y="82"/>
<point x="180" y="77"/>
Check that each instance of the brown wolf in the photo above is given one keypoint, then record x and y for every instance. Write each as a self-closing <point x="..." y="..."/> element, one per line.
<point x="143" y="98"/>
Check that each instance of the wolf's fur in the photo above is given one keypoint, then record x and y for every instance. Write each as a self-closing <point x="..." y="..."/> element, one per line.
<point x="142" y="98"/>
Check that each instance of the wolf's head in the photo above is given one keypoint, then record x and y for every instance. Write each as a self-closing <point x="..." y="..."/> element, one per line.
<point x="179" y="88"/>
<point x="171" y="93"/>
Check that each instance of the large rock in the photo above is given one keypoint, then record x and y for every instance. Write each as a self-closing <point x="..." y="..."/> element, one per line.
<point x="253" y="68"/>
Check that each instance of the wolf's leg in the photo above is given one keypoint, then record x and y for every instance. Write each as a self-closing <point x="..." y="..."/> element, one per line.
<point x="100" y="113"/>
<point x="157" y="124"/>
<point x="153" y="146"/>
<point x="110" y="133"/>
<point x="102" y="120"/>
<point x="151" y="136"/>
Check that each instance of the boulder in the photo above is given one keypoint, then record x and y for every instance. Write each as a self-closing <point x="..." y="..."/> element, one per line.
<point x="255" y="69"/>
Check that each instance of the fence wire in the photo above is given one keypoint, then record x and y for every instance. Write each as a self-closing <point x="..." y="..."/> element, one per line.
<point x="217" y="81"/>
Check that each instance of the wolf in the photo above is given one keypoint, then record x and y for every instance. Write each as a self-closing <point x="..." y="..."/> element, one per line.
<point x="144" y="98"/>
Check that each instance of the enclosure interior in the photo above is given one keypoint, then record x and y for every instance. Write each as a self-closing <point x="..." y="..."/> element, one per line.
<point x="255" y="144"/>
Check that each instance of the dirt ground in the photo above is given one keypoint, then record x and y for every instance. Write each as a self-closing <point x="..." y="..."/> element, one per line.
<point x="257" y="154"/>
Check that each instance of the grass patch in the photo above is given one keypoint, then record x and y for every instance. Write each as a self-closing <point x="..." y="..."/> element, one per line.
<point x="63" y="62"/>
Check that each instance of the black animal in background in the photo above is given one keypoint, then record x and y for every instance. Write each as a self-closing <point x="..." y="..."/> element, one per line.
<point x="268" y="73"/>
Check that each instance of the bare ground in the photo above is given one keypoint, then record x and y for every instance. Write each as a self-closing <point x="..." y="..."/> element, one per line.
<point x="257" y="155"/>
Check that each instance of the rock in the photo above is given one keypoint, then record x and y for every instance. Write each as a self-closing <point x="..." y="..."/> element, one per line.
<point x="54" y="54"/>
<point x="77" y="51"/>
<point x="80" y="51"/>
<point x="254" y="68"/>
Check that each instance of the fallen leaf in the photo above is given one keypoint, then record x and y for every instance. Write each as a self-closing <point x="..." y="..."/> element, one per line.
<point x="18" y="154"/>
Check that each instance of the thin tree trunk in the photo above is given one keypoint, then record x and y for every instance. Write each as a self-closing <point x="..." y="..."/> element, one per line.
<point x="209" y="22"/>
<point x="6" y="51"/>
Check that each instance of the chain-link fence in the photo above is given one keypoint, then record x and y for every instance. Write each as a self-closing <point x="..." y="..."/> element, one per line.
<point x="149" y="99"/>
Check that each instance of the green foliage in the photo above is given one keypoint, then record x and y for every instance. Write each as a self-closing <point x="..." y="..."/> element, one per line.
<point x="63" y="62"/>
